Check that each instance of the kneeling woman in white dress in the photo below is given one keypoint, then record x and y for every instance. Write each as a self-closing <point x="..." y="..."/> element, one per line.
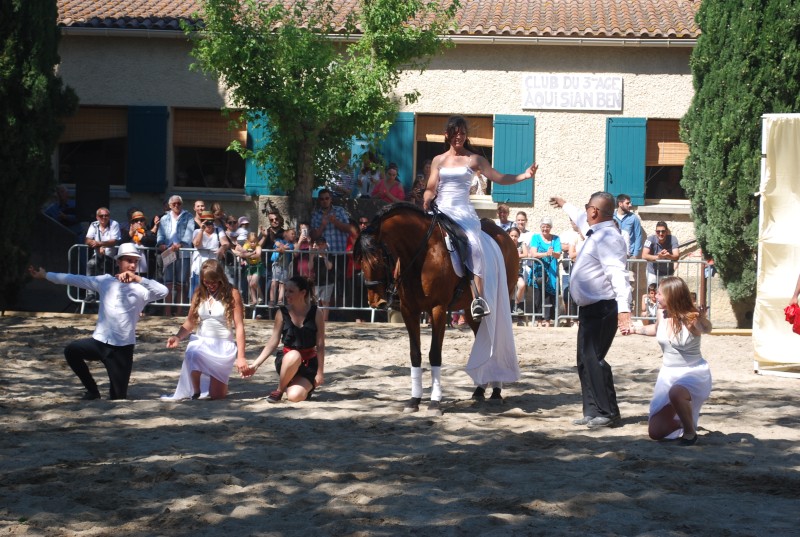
<point x="684" y="382"/>
<point x="217" y="313"/>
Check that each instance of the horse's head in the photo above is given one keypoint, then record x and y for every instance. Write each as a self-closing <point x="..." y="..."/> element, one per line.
<point x="374" y="260"/>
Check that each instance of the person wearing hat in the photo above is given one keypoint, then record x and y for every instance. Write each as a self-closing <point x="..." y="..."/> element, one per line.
<point x="122" y="299"/>
<point x="243" y="230"/>
<point x="143" y="237"/>
<point x="545" y="247"/>
<point x="210" y="242"/>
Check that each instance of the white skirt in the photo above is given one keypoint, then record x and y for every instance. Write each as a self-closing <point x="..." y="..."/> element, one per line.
<point x="493" y="357"/>
<point x="213" y="357"/>
<point x="695" y="378"/>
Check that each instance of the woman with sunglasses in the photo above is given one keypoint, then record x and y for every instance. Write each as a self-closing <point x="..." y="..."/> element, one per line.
<point x="217" y="313"/>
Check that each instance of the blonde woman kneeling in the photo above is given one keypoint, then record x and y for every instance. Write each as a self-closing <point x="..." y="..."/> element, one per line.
<point x="684" y="382"/>
<point x="217" y="313"/>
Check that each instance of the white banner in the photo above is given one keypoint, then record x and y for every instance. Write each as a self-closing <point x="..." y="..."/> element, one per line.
<point x="564" y="91"/>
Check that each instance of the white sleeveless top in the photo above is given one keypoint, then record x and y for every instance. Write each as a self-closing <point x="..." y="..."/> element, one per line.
<point x="681" y="350"/>
<point x="213" y="323"/>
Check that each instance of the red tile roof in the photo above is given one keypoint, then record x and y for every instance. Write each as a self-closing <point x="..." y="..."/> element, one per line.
<point x="646" y="19"/>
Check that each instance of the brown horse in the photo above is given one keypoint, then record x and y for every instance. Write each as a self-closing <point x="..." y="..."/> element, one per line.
<point x="403" y="252"/>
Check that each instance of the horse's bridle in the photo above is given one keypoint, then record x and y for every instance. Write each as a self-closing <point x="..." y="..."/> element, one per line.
<point x="389" y="281"/>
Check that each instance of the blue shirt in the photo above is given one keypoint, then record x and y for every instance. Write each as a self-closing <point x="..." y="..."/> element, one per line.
<point x="631" y="223"/>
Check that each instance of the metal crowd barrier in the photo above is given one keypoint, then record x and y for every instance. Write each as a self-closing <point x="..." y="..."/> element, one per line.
<point x="693" y="271"/>
<point x="343" y="284"/>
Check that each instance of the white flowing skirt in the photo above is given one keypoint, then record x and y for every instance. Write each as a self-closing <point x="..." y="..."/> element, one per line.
<point x="494" y="355"/>
<point x="212" y="357"/>
<point x="695" y="378"/>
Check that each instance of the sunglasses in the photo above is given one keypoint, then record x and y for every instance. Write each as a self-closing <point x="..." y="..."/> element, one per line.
<point x="208" y="223"/>
<point x="106" y="215"/>
<point x="364" y="222"/>
<point x="661" y="231"/>
<point x="139" y="221"/>
<point x="231" y="222"/>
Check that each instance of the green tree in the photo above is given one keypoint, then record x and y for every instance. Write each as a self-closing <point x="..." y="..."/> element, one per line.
<point x="746" y="64"/>
<point x="298" y="76"/>
<point x="32" y="98"/>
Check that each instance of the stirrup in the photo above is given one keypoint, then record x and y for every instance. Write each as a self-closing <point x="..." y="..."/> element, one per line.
<point x="479" y="308"/>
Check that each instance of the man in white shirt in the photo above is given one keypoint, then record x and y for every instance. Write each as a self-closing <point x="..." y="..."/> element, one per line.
<point x="122" y="299"/>
<point x="599" y="285"/>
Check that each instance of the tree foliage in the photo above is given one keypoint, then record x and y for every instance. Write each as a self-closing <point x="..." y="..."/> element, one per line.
<point x="746" y="64"/>
<point x="297" y="75"/>
<point x="32" y="98"/>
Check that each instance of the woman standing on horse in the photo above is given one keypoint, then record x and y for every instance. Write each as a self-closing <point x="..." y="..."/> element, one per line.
<point x="493" y="356"/>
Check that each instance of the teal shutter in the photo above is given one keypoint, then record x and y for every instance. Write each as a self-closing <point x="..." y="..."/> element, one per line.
<point x="147" y="149"/>
<point x="398" y="147"/>
<point x="626" y="141"/>
<point x="256" y="177"/>
<point x="513" y="153"/>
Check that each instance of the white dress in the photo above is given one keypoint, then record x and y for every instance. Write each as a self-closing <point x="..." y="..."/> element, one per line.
<point x="212" y="351"/>
<point x="683" y="365"/>
<point x="494" y="356"/>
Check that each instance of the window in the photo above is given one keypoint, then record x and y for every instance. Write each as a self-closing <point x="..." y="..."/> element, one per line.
<point x="93" y="146"/>
<point x="664" y="160"/>
<point x="200" y="139"/>
<point x="644" y="159"/>
<point x="430" y="138"/>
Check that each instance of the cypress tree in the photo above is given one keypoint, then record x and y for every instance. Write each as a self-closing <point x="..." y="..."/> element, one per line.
<point x="746" y="64"/>
<point x="32" y="98"/>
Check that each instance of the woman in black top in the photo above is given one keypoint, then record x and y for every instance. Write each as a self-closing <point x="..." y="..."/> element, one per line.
<point x="300" y="327"/>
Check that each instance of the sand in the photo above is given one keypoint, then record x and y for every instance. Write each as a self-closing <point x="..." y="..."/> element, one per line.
<point x="349" y="462"/>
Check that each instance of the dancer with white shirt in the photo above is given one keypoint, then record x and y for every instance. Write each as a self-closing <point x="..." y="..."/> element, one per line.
<point x="122" y="299"/>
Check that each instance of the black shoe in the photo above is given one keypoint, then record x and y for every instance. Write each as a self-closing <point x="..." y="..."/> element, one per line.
<point x="496" y="395"/>
<point x="684" y="441"/>
<point x="603" y="421"/>
<point x="196" y="396"/>
<point x="479" y="394"/>
<point x="90" y="396"/>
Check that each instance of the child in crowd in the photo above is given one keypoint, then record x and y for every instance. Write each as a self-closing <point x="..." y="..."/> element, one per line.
<point x="281" y="266"/>
<point x="649" y="305"/>
<point x="325" y="275"/>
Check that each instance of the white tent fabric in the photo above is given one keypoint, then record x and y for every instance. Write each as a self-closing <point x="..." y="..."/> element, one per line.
<point x="777" y="348"/>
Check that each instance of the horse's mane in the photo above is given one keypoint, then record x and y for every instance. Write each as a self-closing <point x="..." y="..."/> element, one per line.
<point x="366" y="245"/>
<point x="401" y="206"/>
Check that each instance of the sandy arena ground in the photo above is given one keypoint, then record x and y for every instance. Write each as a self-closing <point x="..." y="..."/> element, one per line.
<point x="348" y="462"/>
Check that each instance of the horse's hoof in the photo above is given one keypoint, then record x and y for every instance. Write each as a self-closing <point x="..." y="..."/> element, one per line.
<point x="479" y="395"/>
<point x="412" y="405"/>
<point x="496" y="397"/>
<point x="435" y="408"/>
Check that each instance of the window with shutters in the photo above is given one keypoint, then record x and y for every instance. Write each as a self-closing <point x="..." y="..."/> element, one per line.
<point x="644" y="159"/>
<point x="200" y="139"/>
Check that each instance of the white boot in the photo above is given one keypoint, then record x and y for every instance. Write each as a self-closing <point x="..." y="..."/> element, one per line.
<point x="416" y="382"/>
<point x="436" y="383"/>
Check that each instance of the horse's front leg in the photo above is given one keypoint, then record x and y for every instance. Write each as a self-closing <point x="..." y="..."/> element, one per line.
<point x="411" y="320"/>
<point x="438" y="326"/>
